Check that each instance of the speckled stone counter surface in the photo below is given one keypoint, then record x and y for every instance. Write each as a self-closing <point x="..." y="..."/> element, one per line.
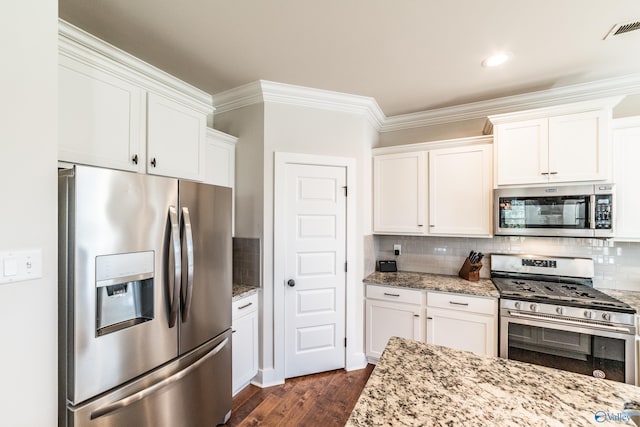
<point x="434" y="282"/>
<point x="630" y="297"/>
<point x="241" y="291"/>
<point x="417" y="384"/>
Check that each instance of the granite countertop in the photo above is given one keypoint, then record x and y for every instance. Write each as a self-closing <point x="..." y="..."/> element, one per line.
<point x="434" y="282"/>
<point x="241" y="291"/>
<point x="422" y="384"/>
<point x="630" y="297"/>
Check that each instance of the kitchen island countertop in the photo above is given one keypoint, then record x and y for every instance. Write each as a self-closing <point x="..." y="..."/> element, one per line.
<point x="434" y="282"/>
<point x="421" y="384"/>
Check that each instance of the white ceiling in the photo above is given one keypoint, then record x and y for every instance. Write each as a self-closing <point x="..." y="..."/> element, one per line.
<point x="410" y="55"/>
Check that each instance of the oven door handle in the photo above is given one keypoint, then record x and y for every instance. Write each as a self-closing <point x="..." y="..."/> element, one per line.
<point x="572" y="322"/>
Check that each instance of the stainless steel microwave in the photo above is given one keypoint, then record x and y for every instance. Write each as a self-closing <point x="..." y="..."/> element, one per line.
<point x="566" y="211"/>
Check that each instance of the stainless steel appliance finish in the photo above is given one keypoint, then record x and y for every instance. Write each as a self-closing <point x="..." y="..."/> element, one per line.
<point x="145" y="300"/>
<point x="566" y="211"/>
<point x="551" y="315"/>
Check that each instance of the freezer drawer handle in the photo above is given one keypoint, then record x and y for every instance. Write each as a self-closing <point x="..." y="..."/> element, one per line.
<point x="177" y="265"/>
<point x="122" y="403"/>
<point x="186" y="227"/>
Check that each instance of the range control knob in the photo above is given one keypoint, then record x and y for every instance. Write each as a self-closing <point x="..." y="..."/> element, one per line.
<point x="606" y="316"/>
<point x="517" y="305"/>
<point x="533" y="307"/>
<point x="587" y="314"/>
<point x="560" y="310"/>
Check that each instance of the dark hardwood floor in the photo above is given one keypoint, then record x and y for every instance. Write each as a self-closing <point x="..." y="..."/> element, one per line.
<point x="324" y="399"/>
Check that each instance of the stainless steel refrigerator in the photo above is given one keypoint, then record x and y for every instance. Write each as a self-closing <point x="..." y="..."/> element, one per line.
<point x="144" y="300"/>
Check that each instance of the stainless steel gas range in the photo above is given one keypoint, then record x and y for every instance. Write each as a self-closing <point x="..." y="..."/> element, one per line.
<point x="551" y="315"/>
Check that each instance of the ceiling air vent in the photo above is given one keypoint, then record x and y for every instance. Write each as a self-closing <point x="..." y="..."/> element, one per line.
<point x="623" y="28"/>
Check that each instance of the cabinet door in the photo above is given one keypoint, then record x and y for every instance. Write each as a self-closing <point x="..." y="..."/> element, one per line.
<point x="399" y="193"/>
<point x="462" y="331"/>
<point x="100" y="118"/>
<point x="626" y="149"/>
<point x="244" y="350"/>
<point x="219" y="159"/>
<point x="522" y="152"/>
<point x="579" y="147"/>
<point x="386" y="319"/>
<point x="175" y="137"/>
<point x="460" y="191"/>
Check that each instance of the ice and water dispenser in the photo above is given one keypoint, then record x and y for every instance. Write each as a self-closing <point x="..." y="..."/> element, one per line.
<point x="124" y="290"/>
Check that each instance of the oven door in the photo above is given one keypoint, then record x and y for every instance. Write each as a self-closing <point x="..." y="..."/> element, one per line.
<point x="583" y="349"/>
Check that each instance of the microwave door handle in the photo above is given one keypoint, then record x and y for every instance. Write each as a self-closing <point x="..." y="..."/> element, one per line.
<point x="177" y="265"/>
<point x="186" y="224"/>
<point x="592" y="211"/>
<point x="136" y="397"/>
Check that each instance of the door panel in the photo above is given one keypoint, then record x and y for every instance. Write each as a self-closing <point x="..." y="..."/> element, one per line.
<point x="193" y="391"/>
<point x="315" y="261"/>
<point x="206" y="312"/>
<point x="119" y="223"/>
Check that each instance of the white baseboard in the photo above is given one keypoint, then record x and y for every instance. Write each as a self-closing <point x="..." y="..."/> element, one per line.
<point x="267" y="378"/>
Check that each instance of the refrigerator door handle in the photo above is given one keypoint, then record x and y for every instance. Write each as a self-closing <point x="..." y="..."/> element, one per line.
<point x="129" y="400"/>
<point x="177" y="265"/>
<point x="186" y="224"/>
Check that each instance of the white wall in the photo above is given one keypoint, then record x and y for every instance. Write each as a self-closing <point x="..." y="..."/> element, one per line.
<point x="28" y="218"/>
<point x="302" y="130"/>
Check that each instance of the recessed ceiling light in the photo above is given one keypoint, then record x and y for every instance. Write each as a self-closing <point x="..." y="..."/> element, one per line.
<point x="497" y="59"/>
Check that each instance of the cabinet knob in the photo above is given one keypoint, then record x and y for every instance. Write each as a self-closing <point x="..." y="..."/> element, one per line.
<point x="153" y="162"/>
<point x="134" y="159"/>
<point x="291" y="282"/>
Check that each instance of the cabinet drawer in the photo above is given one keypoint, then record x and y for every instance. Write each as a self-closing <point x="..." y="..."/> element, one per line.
<point x="392" y="293"/>
<point x="244" y="306"/>
<point x="463" y="302"/>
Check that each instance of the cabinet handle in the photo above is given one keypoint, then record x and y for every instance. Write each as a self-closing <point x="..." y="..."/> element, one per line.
<point x="416" y="315"/>
<point x="391" y="295"/>
<point x="465" y="304"/>
<point x="134" y="159"/>
<point x="153" y="162"/>
<point x="429" y="318"/>
<point x="431" y="225"/>
<point x="544" y="173"/>
<point x="245" y="306"/>
<point x="553" y="173"/>
<point x="420" y="225"/>
<point x="233" y="331"/>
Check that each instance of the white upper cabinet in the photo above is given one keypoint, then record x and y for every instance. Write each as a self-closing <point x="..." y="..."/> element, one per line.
<point x="118" y="112"/>
<point x="626" y="152"/>
<point x="460" y="191"/>
<point x="400" y="193"/>
<point x="100" y="117"/>
<point x="569" y="143"/>
<point x="175" y="139"/>
<point x="219" y="158"/>
<point x="442" y="188"/>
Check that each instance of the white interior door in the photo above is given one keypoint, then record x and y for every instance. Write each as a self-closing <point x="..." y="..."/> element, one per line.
<point x="315" y="253"/>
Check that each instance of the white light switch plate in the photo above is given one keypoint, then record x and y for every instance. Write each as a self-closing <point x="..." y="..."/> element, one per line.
<point x="17" y="266"/>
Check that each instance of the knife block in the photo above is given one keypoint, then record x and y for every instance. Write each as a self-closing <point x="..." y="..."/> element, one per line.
<point x="470" y="271"/>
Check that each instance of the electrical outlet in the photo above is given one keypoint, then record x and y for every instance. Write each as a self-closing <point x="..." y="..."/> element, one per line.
<point x="397" y="249"/>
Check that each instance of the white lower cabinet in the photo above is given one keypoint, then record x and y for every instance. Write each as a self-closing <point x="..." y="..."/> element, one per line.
<point x="245" y="341"/>
<point x="463" y="322"/>
<point x="392" y="312"/>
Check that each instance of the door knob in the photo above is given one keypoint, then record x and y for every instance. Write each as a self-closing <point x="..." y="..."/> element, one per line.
<point x="291" y="283"/>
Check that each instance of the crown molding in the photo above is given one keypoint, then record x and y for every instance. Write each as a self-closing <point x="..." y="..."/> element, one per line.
<point x="432" y="145"/>
<point x="266" y="91"/>
<point x="221" y="136"/>
<point x="77" y="44"/>
<point x="618" y="86"/>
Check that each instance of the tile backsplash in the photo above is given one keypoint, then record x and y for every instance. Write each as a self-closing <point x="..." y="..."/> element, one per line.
<point x="246" y="261"/>
<point x="617" y="264"/>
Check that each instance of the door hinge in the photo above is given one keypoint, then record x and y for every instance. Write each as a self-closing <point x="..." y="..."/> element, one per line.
<point x="345" y="341"/>
<point x="345" y="191"/>
<point x="345" y="266"/>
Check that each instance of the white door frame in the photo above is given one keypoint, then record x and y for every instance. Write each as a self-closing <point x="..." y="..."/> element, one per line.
<point x="279" y="244"/>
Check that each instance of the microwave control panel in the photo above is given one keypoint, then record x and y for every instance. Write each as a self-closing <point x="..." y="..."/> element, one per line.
<point x="603" y="211"/>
